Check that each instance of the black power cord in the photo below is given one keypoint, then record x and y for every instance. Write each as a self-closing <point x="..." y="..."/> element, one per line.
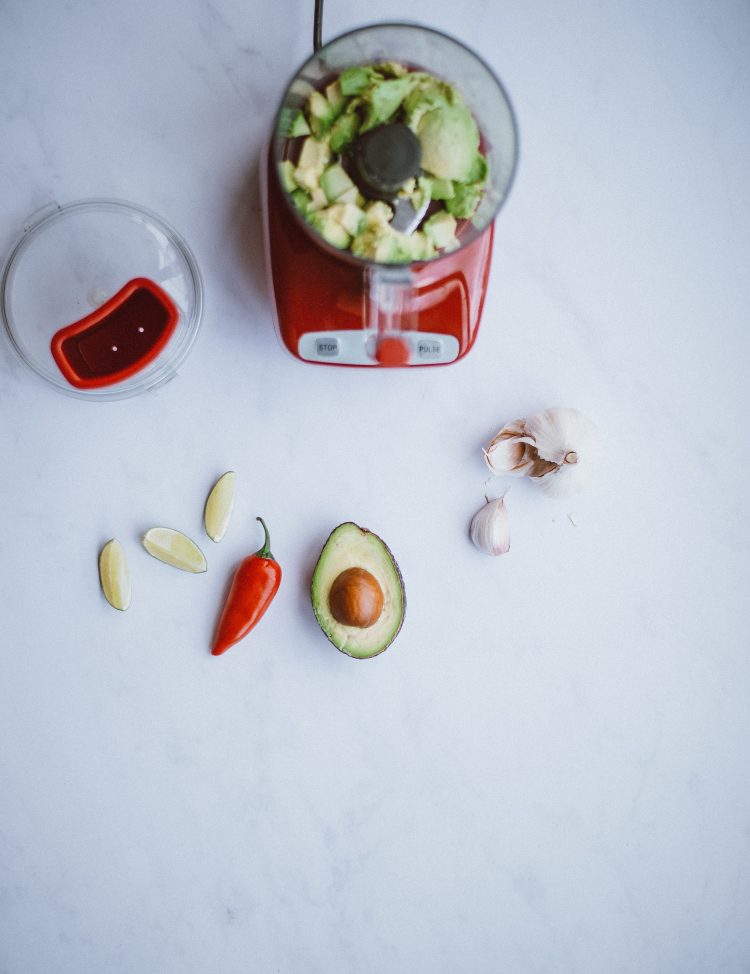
<point x="318" y="26"/>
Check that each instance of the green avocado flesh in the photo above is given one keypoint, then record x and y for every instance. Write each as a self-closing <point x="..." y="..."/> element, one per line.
<point x="350" y="546"/>
<point x="450" y="183"/>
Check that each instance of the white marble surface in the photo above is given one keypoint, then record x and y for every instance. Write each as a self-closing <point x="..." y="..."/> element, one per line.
<point x="548" y="771"/>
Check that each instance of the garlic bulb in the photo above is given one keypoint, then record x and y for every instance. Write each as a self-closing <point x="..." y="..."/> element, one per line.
<point x="558" y="448"/>
<point x="490" y="528"/>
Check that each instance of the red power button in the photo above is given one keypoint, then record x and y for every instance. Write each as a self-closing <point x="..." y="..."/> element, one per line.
<point x="392" y="351"/>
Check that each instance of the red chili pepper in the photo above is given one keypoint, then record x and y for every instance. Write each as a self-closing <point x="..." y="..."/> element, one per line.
<point x="255" y="583"/>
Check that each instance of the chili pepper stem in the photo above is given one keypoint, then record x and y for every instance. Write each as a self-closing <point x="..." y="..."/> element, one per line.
<point x="265" y="550"/>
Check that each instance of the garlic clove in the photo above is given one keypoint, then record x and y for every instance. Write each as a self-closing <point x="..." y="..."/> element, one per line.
<point x="490" y="528"/>
<point x="508" y="453"/>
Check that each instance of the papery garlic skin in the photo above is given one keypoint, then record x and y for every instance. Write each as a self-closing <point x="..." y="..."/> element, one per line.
<point x="490" y="528"/>
<point x="557" y="448"/>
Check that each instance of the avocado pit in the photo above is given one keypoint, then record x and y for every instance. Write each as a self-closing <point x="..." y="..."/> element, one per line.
<point x="356" y="598"/>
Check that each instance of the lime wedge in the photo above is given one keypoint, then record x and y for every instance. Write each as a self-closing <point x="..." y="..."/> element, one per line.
<point x="174" y="548"/>
<point x="219" y="506"/>
<point x="114" y="575"/>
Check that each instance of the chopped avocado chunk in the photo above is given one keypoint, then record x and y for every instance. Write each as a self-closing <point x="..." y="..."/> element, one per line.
<point x="318" y="105"/>
<point x="344" y="131"/>
<point x="422" y="194"/>
<point x="378" y="213"/>
<point x="441" y="229"/>
<point x="335" y="181"/>
<point x="350" y="216"/>
<point x="314" y="155"/>
<point x="351" y="196"/>
<point x="381" y="243"/>
<point x="413" y="246"/>
<point x="301" y="200"/>
<point x="450" y="139"/>
<point x="299" y="125"/>
<point x="318" y="200"/>
<point x="286" y="174"/>
<point x="363" y="243"/>
<point x="307" y="179"/>
<point x="442" y="189"/>
<point x="330" y="229"/>
<point x="354" y="81"/>
<point x="387" y="96"/>
<point x="370" y="617"/>
<point x="386" y="249"/>
<point x="334" y="94"/>
<point x="408" y="187"/>
<point x="393" y="68"/>
<point x="479" y="170"/>
<point x="464" y="200"/>
<point x="322" y="113"/>
<point x="427" y="93"/>
<point x="294" y="123"/>
<point x="382" y="100"/>
<point x="313" y="159"/>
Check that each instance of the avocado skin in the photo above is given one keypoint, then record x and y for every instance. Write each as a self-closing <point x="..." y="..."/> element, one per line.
<point x="321" y="619"/>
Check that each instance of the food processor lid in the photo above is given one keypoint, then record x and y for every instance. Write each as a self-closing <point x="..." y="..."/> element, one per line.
<point x="101" y="298"/>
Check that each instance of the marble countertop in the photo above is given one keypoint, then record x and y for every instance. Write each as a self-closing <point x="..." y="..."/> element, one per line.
<point x="547" y="773"/>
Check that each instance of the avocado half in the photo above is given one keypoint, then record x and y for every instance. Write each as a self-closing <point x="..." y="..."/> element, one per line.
<point x="350" y="546"/>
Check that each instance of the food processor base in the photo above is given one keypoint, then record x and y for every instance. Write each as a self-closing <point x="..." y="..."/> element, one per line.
<point x="320" y="296"/>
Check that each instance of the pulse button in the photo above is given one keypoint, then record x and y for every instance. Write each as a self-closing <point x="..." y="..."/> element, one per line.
<point x="429" y="348"/>
<point x="327" y="347"/>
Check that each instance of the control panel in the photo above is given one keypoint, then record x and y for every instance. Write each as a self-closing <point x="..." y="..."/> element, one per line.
<point x="359" y="347"/>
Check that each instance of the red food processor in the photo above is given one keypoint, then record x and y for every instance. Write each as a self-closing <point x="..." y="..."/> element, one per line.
<point x="336" y="308"/>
